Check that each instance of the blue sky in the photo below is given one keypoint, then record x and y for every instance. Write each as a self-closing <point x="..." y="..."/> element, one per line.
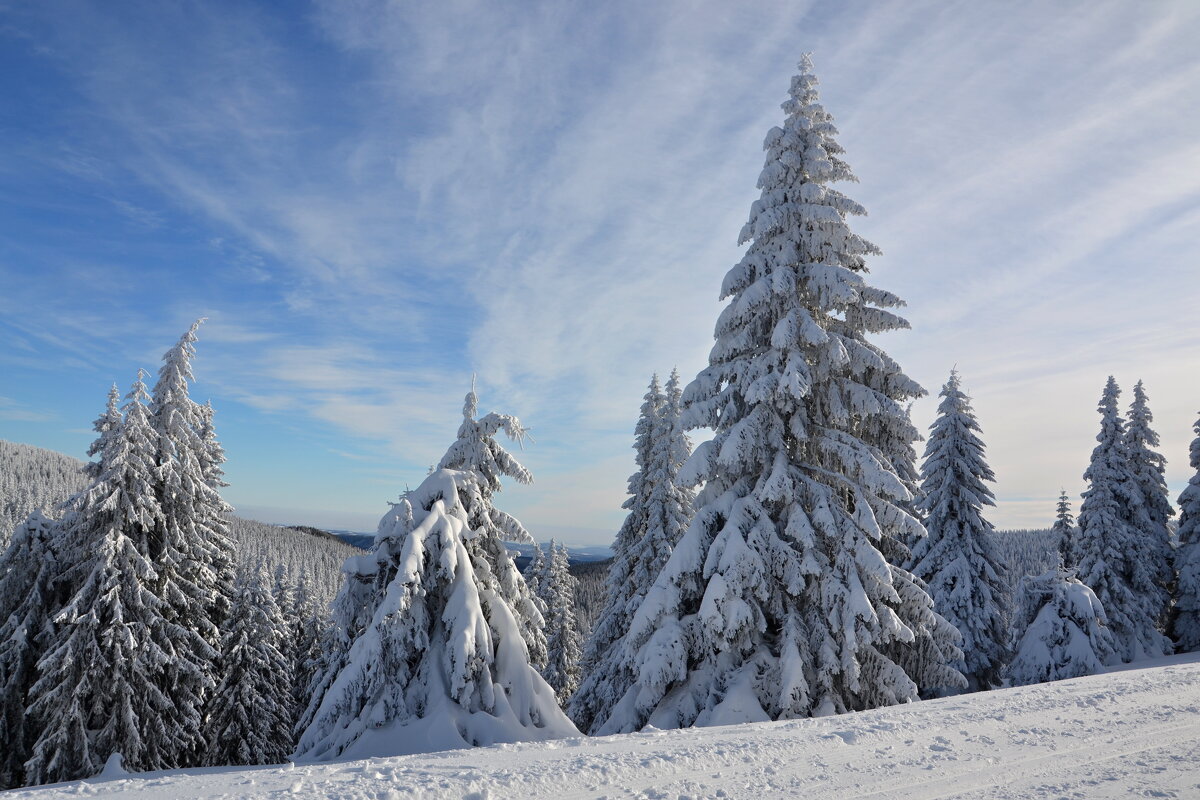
<point x="372" y="201"/>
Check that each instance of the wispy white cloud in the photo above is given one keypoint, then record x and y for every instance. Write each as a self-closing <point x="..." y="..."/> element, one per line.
<point x="16" y="412"/>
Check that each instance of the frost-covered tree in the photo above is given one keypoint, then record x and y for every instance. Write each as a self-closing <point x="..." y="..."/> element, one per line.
<point x="556" y="588"/>
<point x="29" y="578"/>
<point x="214" y="512"/>
<point x="107" y="427"/>
<point x="669" y="504"/>
<point x="956" y="560"/>
<point x="777" y="603"/>
<point x="99" y="689"/>
<point x="1064" y="531"/>
<point x="1064" y="631"/>
<point x="310" y="630"/>
<point x="27" y="572"/>
<point x="1064" y="520"/>
<point x="443" y="660"/>
<point x="535" y="572"/>
<point x="660" y="510"/>
<point x="249" y="718"/>
<point x="477" y="450"/>
<point x="1151" y="516"/>
<point x="191" y="545"/>
<point x="285" y="593"/>
<point x="1109" y="549"/>
<point x="1186" y="624"/>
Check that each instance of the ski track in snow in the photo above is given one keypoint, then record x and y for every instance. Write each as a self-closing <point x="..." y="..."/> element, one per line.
<point x="1129" y="733"/>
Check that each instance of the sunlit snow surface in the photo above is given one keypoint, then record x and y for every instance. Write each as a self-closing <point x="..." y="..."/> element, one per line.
<point x="1131" y="733"/>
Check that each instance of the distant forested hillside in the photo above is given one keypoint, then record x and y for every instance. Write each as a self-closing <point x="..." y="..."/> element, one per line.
<point x="31" y="477"/>
<point x="1026" y="552"/>
<point x="590" y="592"/>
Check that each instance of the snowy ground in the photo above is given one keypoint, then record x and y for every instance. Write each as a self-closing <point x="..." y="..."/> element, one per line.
<point x="1132" y="733"/>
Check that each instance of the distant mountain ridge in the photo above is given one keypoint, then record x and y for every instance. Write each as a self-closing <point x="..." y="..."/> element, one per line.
<point x="581" y="554"/>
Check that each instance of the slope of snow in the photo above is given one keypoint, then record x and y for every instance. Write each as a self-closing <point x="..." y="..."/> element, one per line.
<point x="1134" y="732"/>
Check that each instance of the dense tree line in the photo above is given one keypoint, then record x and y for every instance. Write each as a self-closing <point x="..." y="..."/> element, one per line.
<point x="117" y="606"/>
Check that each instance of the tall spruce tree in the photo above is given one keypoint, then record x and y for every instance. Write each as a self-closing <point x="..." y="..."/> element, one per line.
<point x="556" y="588"/>
<point x="1109" y="551"/>
<point x="27" y="572"/>
<point x="476" y="450"/>
<point x="29" y="579"/>
<point x="668" y="503"/>
<point x="99" y="686"/>
<point x="285" y="593"/>
<point x="443" y="660"/>
<point x="1154" y="512"/>
<point x="957" y="560"/>
<point x="310" y="629"/>
<point x="249" y="719"/>
<point x="1186" y="624"/>
<point x="1063" y="529"/>
<point x="535" y="572"/>
<point x="191" y="546"/>
<point x="660" y="510"/>
<point x="777" y="602"/>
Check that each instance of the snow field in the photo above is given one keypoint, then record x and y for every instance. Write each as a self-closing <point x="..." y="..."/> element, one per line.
<point x="1131" y="733"/>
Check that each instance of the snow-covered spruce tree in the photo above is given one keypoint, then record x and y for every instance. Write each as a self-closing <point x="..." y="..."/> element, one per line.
<point x="1186" y="624"/>
<point x="660" y="510"/>
<point x="668" y="503"/>
<point x="477" y="450"/>
<point x="1152" y="515"/>
<point x="214" y="513"/>
<point x="1063" y="529"/>
<point x="29" y="578"/>
<point x="27" y="571"/>
<point x="1064" y="631"/>
<point x="310" y="629"/>
<point x="191" y="545"/>
<point x="285" y="594"/>
<point x="99" y="685"/>
<point x="956" y="560"/>
<point x="107" y="427"/>
<point x="536" y="571"/>
<point x="443" y="661"/>
<point x="249" y="719"/>
<point x="556" y="588"/>
<point x="777" y="602"/>
<point x="1108" y="549"/>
